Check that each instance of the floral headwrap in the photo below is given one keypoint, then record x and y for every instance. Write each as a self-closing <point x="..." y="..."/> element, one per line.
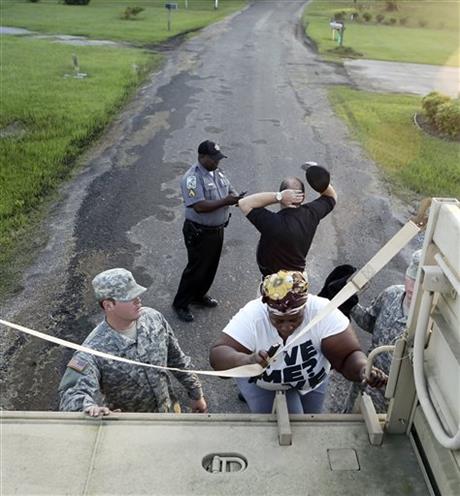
<point x="285" y="291"/>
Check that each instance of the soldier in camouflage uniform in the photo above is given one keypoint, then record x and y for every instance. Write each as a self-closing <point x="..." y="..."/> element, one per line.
<point x="97" y="385"/>
<point x="386" y="320"/>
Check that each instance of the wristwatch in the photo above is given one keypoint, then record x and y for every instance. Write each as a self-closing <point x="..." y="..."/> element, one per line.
<point x="279" y="196"/>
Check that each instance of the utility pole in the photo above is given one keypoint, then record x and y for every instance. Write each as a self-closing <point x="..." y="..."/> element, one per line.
<point x="216" y="4"/>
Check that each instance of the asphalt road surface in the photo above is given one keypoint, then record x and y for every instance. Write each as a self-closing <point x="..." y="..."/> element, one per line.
<point x="251" y="84"/>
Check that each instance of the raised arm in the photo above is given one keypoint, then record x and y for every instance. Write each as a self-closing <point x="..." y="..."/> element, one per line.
<point x="289" y="198"/>
<point x="330" y="191"/>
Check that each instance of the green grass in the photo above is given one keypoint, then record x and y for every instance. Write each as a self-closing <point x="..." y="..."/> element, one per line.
<point x="412" y="160"/>
<point x="101" y="18"/>
<point x="437" y="43"/>
<point x="55" y="118"/>
<point x="59" y="117"/>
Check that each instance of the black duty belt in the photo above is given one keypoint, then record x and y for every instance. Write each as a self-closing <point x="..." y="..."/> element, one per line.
<point x="206" y="228"/>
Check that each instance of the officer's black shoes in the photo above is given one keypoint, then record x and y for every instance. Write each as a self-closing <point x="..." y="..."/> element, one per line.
<point x="206" y="301"/>
<point x="183" y="313"/>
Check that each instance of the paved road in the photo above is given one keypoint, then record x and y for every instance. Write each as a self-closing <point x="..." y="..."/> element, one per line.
<point x="251" y="84"/>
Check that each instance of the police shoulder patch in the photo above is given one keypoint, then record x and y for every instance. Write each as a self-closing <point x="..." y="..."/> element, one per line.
<point x="191" y="182"/>
<point x="77" y="363"/>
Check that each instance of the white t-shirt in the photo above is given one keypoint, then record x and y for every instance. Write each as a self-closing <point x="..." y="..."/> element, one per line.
<point x="301" y="366"/>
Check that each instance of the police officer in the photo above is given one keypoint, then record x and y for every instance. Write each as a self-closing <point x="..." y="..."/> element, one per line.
<point x="97" y="385"/>
<point x="207" y="195"/>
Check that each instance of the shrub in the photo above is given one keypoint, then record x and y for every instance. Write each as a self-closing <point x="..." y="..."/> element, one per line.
<point x="431" y="102"/>
<point x="34" y="1"/>
<point x="447" y="118"/>
<point x="422" y="23"/>
<point x="379" y="18"/>
<point x="403" y="21"/>
<point x="392" y="21"/>
<point x="391" y="6"/>
<point x="131" y="12"/>
<point x="76" y="2"/>
<point x="340" y="16"/>
<point x="367" y="17"/>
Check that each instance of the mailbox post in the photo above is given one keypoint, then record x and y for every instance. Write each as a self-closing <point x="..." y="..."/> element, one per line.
<point x="170" y="7"/>
<point x="338" y="28"/>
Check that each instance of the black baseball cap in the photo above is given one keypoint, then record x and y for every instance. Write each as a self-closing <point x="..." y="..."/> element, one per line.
<point x="210" y="148"/>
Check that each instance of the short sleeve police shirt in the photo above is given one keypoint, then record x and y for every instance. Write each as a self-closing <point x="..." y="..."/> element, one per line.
<point x="199" y="184"/>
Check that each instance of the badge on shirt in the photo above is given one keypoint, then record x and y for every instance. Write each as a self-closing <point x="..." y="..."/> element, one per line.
<point x="191" y="186"/>
<point x="77" y="363"/>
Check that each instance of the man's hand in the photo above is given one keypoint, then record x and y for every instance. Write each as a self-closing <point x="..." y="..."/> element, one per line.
<point x="199" y="406"/>
<point x="292" y="198"/>
<point x="97" y="411"/>
<point x="232" y="199"/>
<point x="376" y="379"/>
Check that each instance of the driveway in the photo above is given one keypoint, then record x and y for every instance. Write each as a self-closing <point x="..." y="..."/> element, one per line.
<point x="400" y="77"/>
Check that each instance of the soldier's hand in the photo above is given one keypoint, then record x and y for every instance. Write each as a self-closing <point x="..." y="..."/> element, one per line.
<point x="376" y="379"/>
<point x="97" y="411"/>
<point x="199" y="406"/>
<point x="292" y="198"/>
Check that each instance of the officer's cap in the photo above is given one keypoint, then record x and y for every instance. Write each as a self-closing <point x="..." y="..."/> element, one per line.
<point x="413" y="267"/>
<point x="210" y="148"/>
<point x="118" y="284"/>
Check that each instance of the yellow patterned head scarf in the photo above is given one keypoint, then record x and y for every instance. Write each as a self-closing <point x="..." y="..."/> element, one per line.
<point x="285" y="290"/>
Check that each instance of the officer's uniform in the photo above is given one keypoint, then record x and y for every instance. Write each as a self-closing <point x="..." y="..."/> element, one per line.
<point x="203" y="232"/>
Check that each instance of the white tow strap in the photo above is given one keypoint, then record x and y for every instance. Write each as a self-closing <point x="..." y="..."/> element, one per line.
<point x="359" y="280"/>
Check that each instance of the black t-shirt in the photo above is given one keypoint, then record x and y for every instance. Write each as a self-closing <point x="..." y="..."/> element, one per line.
<point x="286" y="236"/>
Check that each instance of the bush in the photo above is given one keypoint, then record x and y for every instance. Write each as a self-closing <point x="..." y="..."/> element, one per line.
<point x="76" y="2"/>
<point x="431" y="102"/>
<point x="34" y="1"/>
<point x="447" y="118"/>
<point x="422" y="23"/>
<point x="379" y="18"/>
<point x="131" y="12"/>
<point x="403" y="21"/>
<point x="367" y="17"/>
<point x="340" y="16"/>
<point x="392" y="21"/>
<point x="391" y="6"/>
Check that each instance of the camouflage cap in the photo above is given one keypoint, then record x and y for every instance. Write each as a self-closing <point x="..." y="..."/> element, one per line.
<point x="414" y="263"/>
<point x="118" y="284"/>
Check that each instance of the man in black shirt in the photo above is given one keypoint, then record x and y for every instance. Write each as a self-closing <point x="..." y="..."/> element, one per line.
<point x="286" y="236"/>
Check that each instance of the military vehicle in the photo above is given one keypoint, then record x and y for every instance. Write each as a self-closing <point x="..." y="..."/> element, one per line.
<point x="413" y="449"/>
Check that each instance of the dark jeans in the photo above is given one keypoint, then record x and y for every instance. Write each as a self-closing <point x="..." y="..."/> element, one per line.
<point x="204" y="246"/>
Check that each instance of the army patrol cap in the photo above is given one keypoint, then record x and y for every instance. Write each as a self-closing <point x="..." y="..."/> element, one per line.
<point x="118" y="284"/>
<point x="414" y="263"/>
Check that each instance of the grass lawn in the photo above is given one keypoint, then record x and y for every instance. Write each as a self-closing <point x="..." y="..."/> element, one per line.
<point x="47" y="119"/>
<point x="53" y="117"/>
<point x="383" y="125"/>
<point x="437" y="42"/>
<point x="101" y="18"/>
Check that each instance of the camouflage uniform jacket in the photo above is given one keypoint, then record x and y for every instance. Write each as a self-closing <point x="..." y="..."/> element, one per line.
<point x="91" y="380"/>
<point x="386" y="320"/>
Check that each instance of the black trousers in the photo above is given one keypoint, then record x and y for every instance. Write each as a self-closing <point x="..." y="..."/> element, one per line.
<point x="204" y="247"/>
